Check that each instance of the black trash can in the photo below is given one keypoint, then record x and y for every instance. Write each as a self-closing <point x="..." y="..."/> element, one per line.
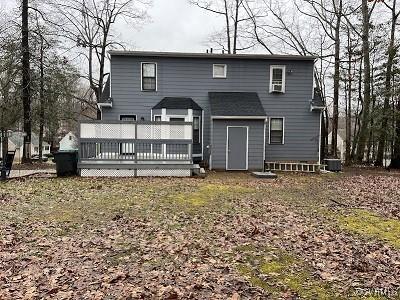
<point x="66" y="163"/>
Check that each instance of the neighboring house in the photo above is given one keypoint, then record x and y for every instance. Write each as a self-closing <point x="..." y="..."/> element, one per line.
<point x="341" y="143"/>
<point x="69" y="142"/>
<point x="16" y="143"/>
<point x="245" y="109"/>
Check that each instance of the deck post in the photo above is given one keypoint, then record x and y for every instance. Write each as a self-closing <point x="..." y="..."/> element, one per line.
<point x="135" y="148"/>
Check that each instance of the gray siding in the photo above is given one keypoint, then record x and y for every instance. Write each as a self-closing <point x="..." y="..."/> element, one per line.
<point x="301" y="139"/>
<point x="188" y="77"/>
<point x="255" y="147"/>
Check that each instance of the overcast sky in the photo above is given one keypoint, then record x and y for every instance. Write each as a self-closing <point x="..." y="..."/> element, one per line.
<point x="175" y="26"/>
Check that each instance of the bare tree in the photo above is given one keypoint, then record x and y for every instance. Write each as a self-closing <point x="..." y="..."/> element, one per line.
<point x="351" y="65"/>
<point x="43" y="44"/>
<point x="395" y="162"/>
<point x="365" y="117"/>
<point x="10" y="75"/>
<point x="329" y="14"/>
<point x="9" y="80"/>
<point x="26" y="82"/>
<point x="279" y="29"/>
<point x="89" y="24"/>
<point x="234" y="15"/>
<point x="391" y="54"/>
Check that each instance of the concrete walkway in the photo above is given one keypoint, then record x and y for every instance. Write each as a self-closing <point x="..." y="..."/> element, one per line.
<point x="26" y="173"/>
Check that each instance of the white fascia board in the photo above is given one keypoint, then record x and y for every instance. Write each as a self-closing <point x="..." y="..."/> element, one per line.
<point x="99" y="105"/>
<point x="317" y="108"/>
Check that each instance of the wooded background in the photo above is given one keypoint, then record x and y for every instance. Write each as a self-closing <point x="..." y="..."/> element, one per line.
<point x="357" y="72"/>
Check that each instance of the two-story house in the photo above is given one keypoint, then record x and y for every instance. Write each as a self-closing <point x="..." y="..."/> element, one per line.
<point x="245" y="109"/>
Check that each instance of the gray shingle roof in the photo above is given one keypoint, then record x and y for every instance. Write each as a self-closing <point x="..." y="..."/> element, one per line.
<point x="235" y="104"/>
<point x="210" y="55"/>
<point x="177" y="103"/>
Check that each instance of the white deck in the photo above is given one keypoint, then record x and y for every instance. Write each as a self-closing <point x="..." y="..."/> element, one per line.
<point x="127" y="149"/>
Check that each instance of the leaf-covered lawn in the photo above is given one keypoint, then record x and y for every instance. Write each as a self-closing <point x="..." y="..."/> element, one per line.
<point x="229" y="236"/>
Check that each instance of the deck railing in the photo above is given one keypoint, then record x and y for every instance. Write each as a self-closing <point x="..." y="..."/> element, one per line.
<point x="135" y="141"/>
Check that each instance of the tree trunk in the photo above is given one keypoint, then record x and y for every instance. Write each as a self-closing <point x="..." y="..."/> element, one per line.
<point x="228" y="30"/>
<point x="42" y="104"/>
<point x="371" y="136"/>
<point x="235" y="33"/>
<point x="365" y="118"/>
<point x="26" y="82"/>
<point x="395" y="163"/>
<point x="4" y="149"/>
<point x="388" y="90"/>
<point x="336" y="82"/>
<point x="349" y="99"/>
<point x="357" y="124"/>
<point x="102" y="62"/>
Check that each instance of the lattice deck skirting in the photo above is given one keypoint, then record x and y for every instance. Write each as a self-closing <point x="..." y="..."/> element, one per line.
<point x="135" y="173"/>
<point x="293" y="167"/>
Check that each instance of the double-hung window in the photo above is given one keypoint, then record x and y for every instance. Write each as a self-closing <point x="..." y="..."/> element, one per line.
<point x="127" y="118"/>
<point x="277" y="79"/>
<point x="276" y="131"/>
<point x="219" y="71"/>
<point x="149" y="77"/>
<point x="196" y="130"/>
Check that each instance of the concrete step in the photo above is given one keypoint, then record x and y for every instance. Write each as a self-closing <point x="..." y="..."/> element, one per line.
<point x="268" y="175"/>
<point x="198" y="171"/>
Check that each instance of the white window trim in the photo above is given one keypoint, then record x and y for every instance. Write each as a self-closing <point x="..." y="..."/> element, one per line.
<point x="200" y="137"/>
<point x="269" y="130"/>
<point x="141" y="76"/>
<point x="319" y="138"/>
<point x="119" y="116"/>
<point x="264" y="140"/>
<point x="225" y="70"/>
<point x="154" y="117"/>
<point x="283" y="68"/>
<point x="202" y="134"/>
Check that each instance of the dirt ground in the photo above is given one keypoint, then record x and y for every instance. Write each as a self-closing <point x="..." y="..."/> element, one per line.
<point x="229" y="236"/>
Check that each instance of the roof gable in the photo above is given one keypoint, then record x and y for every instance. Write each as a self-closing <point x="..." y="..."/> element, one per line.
<point x="177" y="103"/>
<point x="242" y="104"/>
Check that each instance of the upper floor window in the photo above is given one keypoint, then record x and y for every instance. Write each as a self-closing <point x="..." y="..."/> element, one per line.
<point x="276" y="131"/>
<point x="149" y="76"/>
<point x="277" y="79"/>
<point x="219" y="71"/>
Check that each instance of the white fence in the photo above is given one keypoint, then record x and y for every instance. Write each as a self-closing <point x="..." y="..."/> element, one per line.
<point x="140" y="131"/>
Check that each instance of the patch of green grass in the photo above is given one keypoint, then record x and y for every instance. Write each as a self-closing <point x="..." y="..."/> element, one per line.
<point x="277" y="272"/>
<point x="208" y="193"/>
<point x="368" y="224"/>
<point x="74" y="201"/>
